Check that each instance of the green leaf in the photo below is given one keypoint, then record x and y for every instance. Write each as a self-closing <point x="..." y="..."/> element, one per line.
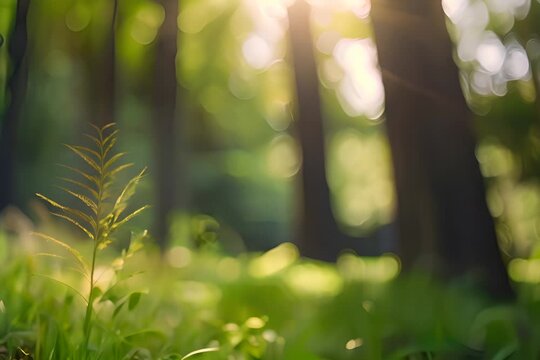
<point x="87" y="176"/>
<point x="110" y="137"/>
<point x="89" y="151"/>
<point x="83" y="186"/>
<point x="64" y="284"/>
<point x="109" y="143"/>
<point x="94" y="139"/>
<point x="110" y="174"/>
<point x="87" y="201"/>
<point x="116" y="225"/>
<point x="96" y="293"/>
<point x="74" y="212"/>
<point x="200" y="351"/>
<point x="134" y="299"/>
<point x="106" y="126"/>
<point x="74" y="222"/>
<point x="118" y="307"/>
<point x="126" y="194"/>
<point x="85" y="157"/>
<point x="113" y="159"/>
<point x="74" y="252"/>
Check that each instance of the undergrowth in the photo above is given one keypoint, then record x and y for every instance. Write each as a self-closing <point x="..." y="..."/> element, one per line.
<point x="83" y="299"/>
<point x="102" y="215"/>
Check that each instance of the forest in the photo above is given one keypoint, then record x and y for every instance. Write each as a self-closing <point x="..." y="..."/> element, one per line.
<point x="269" y="179"/>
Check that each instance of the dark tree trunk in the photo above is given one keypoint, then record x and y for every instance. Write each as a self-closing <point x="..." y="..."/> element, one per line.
<point x="443" y="219"/>
<point x="103" y="75"/>
<point x="164" y="122"/>
<point x="319" y="235"/>
<point x="16" y="90"/>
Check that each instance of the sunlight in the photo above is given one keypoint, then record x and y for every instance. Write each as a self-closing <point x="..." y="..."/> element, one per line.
<point x="491" y="53"/>
<point x="179" y="256"/>
<point x="352" y="71"/>
<point x="229" y="269"/>
<point x="354" y="343"/>
<point x="261" y="46"/>
<point x="314" y="280"/>
<point x="78" y="17"/>
<point x="361" y="90"/>
<point x="360" y="8"/>
<point x="197" y="14"/>
<point x="378" y="269"/>
<point x="526" y="271"/>
<point x="146" y="23"/>
<point x="274" y="261"/>
<point x="257" y="52"/>
<point x="283" y="159"/>
<point x="517" y="63"/>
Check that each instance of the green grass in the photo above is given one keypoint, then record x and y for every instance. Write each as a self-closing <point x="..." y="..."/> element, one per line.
<point x="66" y="294"/>
<point x="252" y="307"/>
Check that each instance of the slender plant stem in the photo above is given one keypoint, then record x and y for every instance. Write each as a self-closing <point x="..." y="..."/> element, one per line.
<point x="98" y="233"/>
<point x="90" y="305"/>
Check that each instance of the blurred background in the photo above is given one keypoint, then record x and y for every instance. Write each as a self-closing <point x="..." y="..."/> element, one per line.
<point x="263" y="121"/>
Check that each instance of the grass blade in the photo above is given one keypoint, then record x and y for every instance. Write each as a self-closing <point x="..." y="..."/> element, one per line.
<point x="74" y="252"/>
<point x="200" y="351"/>
<point x="63" y="283"/>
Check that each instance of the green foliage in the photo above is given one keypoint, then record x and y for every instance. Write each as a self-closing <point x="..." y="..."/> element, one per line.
<point x="210" y="307"/>
<point x="102" y="215"/>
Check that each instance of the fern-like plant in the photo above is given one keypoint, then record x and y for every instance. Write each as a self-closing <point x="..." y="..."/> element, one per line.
<point x="103" y="212"/>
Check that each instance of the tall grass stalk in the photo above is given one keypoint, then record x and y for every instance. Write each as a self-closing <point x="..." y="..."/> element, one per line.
<point x="103" y="214"/>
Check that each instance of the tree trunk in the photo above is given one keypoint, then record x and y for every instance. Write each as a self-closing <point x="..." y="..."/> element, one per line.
<point x="319" y="235"/>
<point x="103" y="75"/>
<point x="164" y="124"/>
<point x="16" y="91"/>
<point x="443" y="219"/>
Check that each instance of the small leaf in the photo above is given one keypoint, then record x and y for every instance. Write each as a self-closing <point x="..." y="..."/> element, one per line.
<point x="200" y="351"/>
<point x="113" y="159"/>
<point x="106" y="126"/>
<point x="104" y="244"/>
<point x="129" y="217"/>
<point x="85" y="157"/>
<point x="96" y="293"/>
<point x="110" y="137"/>
<point x="74" y="212"/>
<point x="74" y="222"/>
<point x="126" y="194"/>
<point x="76" y="254"/>
<point x="87" y="201"/>
<point x="97" y="128"/>
<point x="89" y="177"/>
<point x="89" y="151"/>
<point x="64" y="284"/>
<point x="134" y="299"/>
<point x="135" y="243"/>
<point x="112" y="295"/>
<point x="109" y="147"/>
<point x="113" y="172"/>
<point x="82" y="186"/>
<point x="94" y="139"/>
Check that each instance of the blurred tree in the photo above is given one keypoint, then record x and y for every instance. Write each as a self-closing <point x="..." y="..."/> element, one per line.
<point x="443" y="219"/>
<point x="96" y="45"/>
<point x="319" y="235"/>
<point x="16" y="86"/>
<point x="164" y="120"/>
